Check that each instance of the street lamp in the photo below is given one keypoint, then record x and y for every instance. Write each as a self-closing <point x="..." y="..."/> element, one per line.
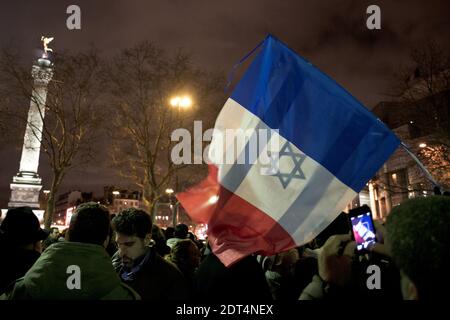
<point x="422" y="145"/>
<point x="179" y="102"/>
<point x="170" y="191"/>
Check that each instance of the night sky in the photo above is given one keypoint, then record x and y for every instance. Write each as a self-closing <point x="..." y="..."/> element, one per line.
<point x="331" y="34"/>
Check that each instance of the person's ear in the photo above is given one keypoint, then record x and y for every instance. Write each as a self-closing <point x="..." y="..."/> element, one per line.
<point x="409" y="289"/>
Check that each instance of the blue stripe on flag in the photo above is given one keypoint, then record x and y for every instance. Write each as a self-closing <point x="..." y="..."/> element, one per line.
<point x="306" y="201"/>
<point x="237" y="173"/>
<point x="316" y="114"/>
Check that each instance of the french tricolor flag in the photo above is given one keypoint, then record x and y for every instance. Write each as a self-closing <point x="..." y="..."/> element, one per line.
<point x="328" y="145"/>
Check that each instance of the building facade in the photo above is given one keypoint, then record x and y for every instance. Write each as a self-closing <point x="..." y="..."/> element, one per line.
<point x="117" y="199"/>
<point x="421" y="126"/>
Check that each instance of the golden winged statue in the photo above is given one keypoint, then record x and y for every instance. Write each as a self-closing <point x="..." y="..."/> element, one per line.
<point x="46" y="41"/>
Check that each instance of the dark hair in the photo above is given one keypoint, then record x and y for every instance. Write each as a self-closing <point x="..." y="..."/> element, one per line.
<point x="181" y="231"/>
<point x="158" y="234"/>
<point x="169" y="232"/>
<point x="419" y="237"/>
<point x="133" y="222"/>
<point x="160" y="241"/>
<point x="89" y="224"/>
<point x="180" y="256"/>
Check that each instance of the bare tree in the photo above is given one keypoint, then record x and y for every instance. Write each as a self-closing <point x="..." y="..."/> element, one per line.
<point x="73" y="111"/>
<point x="425" y="83"/>
<point x="427" y="77"/>
<point x="142" y="80"/>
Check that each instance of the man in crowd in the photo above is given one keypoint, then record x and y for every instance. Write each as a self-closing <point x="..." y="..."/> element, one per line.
<point x="54" y="233"/>
<point x="180" y="233"/>
<point x="78" y="268"/>
<point x="20" y="246"/>
<point x="139" y="265"/>
<point x="52" y="238"/>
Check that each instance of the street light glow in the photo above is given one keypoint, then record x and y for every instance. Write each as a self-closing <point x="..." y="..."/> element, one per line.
<point x="422" y="145"/>
<point x="175" y="101"/>
<point x="169" y="191"/>
<point x="116" y="193"/>
<point x="185" y="102"/>
<point x="181" y="102"/>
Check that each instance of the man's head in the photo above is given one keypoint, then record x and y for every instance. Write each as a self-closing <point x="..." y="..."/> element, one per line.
<point x="21" y="228"/>
<point x="54" y="233"/>
<point x="185" y="254"/>
<point x="90" y="223"/>
<point x="419" y="238"/>
<point x="181" y="231"/>
<point x="133" y="229"/>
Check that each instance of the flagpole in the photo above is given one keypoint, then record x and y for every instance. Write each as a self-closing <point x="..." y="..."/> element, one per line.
<point x="236" y="65"/>
<point x="421" y="166"/>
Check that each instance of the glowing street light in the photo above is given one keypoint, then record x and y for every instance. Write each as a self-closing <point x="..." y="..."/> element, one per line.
<point x="422" y="145"/>
<point x="181" y="102"/>
<point x="116" y="193"/>
<point x="169" y="191"/>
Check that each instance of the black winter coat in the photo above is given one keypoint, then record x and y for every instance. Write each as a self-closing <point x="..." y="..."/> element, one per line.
<point x="158" y="280"/>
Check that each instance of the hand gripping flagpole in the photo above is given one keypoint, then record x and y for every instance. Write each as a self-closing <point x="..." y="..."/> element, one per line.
<point x="421" y="166"/>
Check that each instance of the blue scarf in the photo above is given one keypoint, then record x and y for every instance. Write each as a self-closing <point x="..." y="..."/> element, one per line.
<point x="131" y="275"/>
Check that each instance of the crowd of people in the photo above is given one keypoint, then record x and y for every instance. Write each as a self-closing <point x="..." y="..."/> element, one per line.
<point x="126" y="257"/>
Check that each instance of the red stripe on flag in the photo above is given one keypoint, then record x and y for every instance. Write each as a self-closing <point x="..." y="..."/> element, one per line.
<point x="236" y="228"/>
<point x="196" y="200"/>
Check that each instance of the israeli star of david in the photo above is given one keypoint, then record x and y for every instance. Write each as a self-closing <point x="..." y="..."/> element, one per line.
<point x="296" y="172"/>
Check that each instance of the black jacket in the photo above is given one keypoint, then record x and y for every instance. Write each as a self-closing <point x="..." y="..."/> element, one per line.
<point x="15" y="263"/>
<point x="157" y="280"/>
<point x="243" y="281"/>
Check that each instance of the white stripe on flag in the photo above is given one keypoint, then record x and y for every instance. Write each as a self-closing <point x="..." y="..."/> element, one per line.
<point x="232" y="117"/>
<point x="302" y="206"/>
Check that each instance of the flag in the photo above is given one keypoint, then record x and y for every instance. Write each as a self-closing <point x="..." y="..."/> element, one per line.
<point x="328" y="145"/>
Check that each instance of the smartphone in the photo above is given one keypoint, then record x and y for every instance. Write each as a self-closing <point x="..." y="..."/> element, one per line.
<point x="363" y="230"/>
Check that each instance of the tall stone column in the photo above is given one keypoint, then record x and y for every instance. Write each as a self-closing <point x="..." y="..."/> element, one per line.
<point x="27" y="183"/>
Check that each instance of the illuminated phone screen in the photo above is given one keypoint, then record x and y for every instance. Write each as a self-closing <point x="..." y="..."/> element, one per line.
<point x="363" y="230"/>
